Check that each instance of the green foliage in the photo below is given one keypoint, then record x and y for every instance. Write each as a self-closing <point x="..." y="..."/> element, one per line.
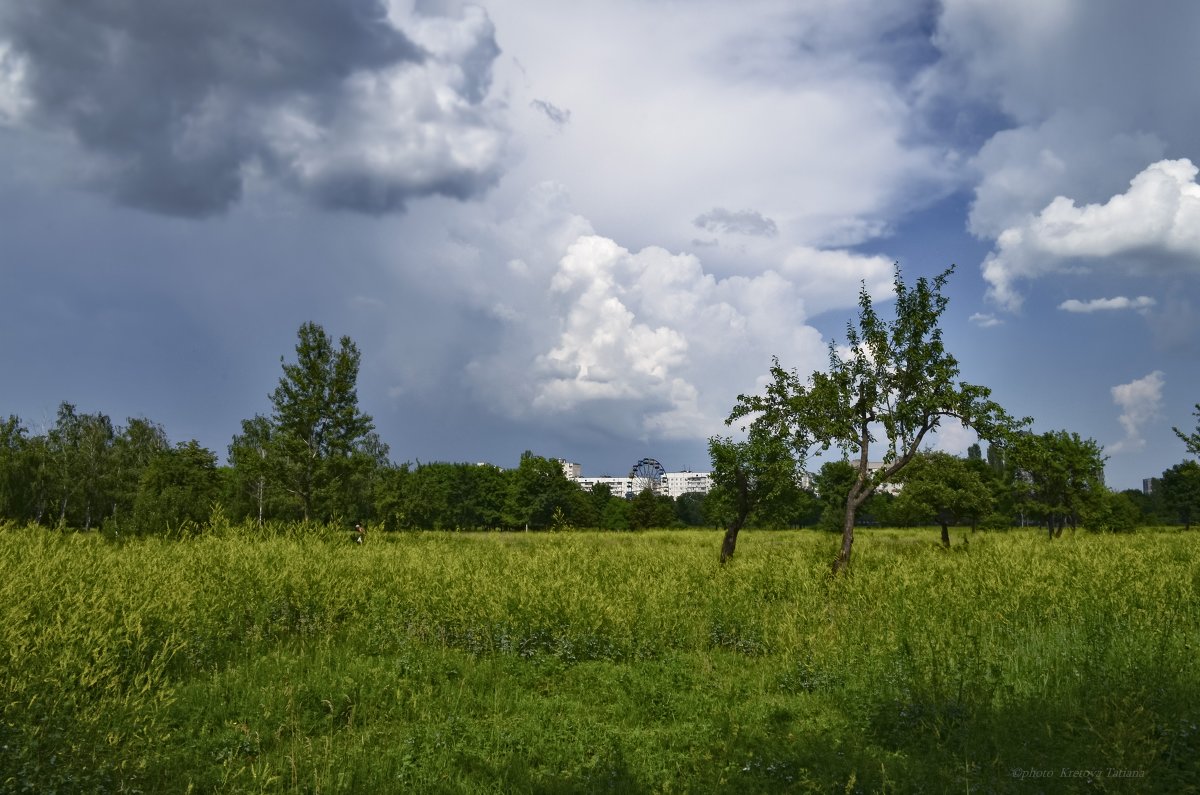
<point x="648" y="509"/>
<point x="321" y="446"/>
<point x="1180" y="487"/>
<point x="14" y="475"/>
<point x="1056" y="476"/>
<point x="80" y="446"/>
<point x="943" y="489"/>
<point x="256" y="491"/>
<point x="1110" y="512"/>
<point x="755" y="481"/>
<point x="615" y="515"/>
<point x="1191" y="440"/>
<point x="833" y="482"/>
<point x="82" y="473"/>
<point x="691" y="509"/>
<point x="535" y="489"/>
<point x="134" y="449"/>
<point x="177" y="489"/>
<point x="296" y="661"/>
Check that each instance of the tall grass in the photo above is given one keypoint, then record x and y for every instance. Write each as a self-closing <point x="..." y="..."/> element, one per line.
<point x="590" y="662"/>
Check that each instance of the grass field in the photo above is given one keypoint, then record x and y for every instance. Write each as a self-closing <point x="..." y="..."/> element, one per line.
<point x="580" y="662"/>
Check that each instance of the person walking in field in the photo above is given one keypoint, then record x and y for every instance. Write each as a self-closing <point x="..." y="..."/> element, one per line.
<point x="360" y="535"/>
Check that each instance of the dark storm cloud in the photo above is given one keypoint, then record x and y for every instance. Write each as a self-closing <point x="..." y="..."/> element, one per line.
<point x="176" y="99"/>
<point x="743" y="222"/>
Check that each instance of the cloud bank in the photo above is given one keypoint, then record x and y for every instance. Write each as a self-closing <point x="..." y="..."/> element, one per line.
<point x="354" y="104"/>
<point x="1154" y="225"/>
<point x="578" y="332"/>
<point x="1142" y="302"/>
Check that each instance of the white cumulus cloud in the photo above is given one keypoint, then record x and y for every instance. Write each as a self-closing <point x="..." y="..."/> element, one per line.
<point x="1139" y="401"/>
<point x="1142" y="302"/>
<point x="985" y="320"/>
<point x="1155" y="222"/>
<point x="587" y="333"/>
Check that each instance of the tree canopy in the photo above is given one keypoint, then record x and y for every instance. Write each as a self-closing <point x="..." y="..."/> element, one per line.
<point x="943" y="488"/>
<point x="1181" y="491"/>
<point x="754" y="478"/>
<point x="1191" y="440"/>
<point x="1055" y="475"/>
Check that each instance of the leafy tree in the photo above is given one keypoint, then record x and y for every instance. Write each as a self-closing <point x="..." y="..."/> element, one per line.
<point x="484" y="490"/>
<point x="1191" y="440"/>
<point x="690" y="509"/>
<point x="134" y="448"/>
<point x="1110" y="512"/>
<point x="356" y="479"/>
<point x="896" y="377"/>
<point x="1151" y="510"/>
<point x="581" y="509"/>
<point x="615" y="515"/>
<point x="943" y="488"/>
<point x="1056" y="474"/>
<point x="317" y="427"/>
<point x="14" y="489"/>
<point x="996" y="458"/>
<point x="833" y="482"/>
<point x="250" y="456"/>
<point x="179" y="485"/>
<point x="648" y="509"/>
<point x="600" y="497"/>
<point x="79" y="446"/>
<point x="442" y="496"/>
<point x="40" y="473"/>
<point x="391" y="487"/>
<point x="535" y="489"/>
<point x="427" y="497"/>
<point x="751" y="478"/>
<point x="1181" y="491"/>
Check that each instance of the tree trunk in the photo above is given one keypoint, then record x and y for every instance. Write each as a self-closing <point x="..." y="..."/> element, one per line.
<point x="853" y="503"/>
<point x="857" y="496"/>
<point x="260" y="502"/>
<point x="744" y="506"/>
<point x="730" y="542"/>
<point x="945" y="535"/>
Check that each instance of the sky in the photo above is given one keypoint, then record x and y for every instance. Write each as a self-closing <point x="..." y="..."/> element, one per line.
<point x="584" y="228"/>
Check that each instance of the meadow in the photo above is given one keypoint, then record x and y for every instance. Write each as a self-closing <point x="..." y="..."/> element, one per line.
<point x="591" y="662"/>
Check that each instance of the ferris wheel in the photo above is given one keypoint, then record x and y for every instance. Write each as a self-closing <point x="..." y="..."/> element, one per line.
<point x="647" y="474"/>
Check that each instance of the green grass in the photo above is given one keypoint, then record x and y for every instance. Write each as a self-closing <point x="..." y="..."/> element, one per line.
<point x="581" y="662"/>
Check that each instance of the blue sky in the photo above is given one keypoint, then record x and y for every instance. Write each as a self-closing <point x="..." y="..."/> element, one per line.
<point x="584" y="228"/>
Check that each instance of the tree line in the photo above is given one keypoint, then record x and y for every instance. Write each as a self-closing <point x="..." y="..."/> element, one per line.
<point x="315" y="456"/>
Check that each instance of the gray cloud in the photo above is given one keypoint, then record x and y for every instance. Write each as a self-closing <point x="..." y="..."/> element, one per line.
<point x="560" y="116"/>
<point x="742" y="222"/>
<point x="178" y="102"/>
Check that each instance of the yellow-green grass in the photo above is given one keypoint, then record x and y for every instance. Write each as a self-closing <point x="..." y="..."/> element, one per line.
<point x="581" y="662"/>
